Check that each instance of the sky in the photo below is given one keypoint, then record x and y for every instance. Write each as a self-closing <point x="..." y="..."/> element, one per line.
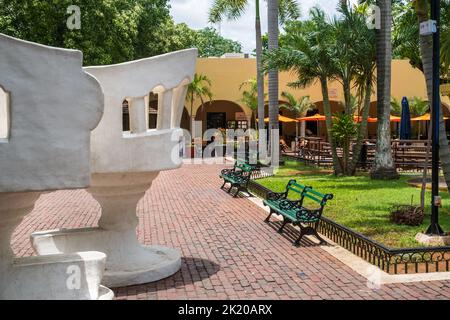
<point x="195" y="14"/>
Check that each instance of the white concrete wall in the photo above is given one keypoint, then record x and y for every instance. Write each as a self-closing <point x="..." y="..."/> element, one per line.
<point x="54" y="106"/>
<point x="141" y="149"/>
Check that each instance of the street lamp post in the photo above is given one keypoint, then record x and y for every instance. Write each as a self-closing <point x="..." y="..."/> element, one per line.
<point x="435" y="228"/>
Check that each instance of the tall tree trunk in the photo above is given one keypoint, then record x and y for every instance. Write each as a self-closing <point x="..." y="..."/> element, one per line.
<point x="328" y="118"/>
<point x="273" y="82"/>
<point x="384" y="166"/>
<point x="192" y="116"/>
<point x="347" y="97"/>
<point x="362" y="132"/>
<point x="425" y="170"/>
<point x="426" y="52"/>
<point x="262" y="143"/>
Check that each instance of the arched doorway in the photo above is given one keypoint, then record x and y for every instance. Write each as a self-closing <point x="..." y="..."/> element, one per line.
<point x="222" y="114"/>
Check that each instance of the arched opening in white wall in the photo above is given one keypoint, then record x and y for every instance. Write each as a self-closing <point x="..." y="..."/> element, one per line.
<point x="151" y="112"/>
<point x="125" y="115"/>
<point x="153" y="106"/>
<point x="5" y="118"/>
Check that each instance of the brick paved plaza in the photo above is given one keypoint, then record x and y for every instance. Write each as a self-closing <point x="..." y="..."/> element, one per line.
<point x="229" y="252"/>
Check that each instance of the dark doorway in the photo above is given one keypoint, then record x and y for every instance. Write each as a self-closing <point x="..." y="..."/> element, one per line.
<point x="312" y="127"/>
<point x="216" y="120"/>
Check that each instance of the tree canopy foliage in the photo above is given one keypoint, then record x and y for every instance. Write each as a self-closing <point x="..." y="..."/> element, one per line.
<point x="406" y="33"/>
<point x="112" y="31"/>
<point x="207" y="40"/>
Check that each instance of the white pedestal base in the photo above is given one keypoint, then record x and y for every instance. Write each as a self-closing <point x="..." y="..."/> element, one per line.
<point x="56" y="277"/>
<point x="74" y="276"/>
<point x="128" y="262"/>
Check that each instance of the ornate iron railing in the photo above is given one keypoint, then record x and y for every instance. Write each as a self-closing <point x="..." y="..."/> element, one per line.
<point x="394" y="261"/>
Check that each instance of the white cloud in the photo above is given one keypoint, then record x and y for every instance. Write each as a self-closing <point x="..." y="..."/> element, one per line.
<point x="195" y="14"/>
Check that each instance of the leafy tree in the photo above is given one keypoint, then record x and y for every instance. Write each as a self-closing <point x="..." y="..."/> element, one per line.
<point x="199" y="88"/>
<point x="111" y="31"/>
<point x="299" y="107"/>
<point x="177" y="36"/>
<point x="344" y="129"/>
<point x="211" y="44"/>
<point x="249" y="90"/>
<point x="208" y="41"/>
<point x="151" y="18"/>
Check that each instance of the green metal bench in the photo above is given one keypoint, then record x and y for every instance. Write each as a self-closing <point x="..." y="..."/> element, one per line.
<point x="296" y="213"/>
<point x="238" y="177"/>
<point x="294" y="193"/>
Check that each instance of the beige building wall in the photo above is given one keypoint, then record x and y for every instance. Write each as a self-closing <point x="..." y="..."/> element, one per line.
<point x="227" y="74"/>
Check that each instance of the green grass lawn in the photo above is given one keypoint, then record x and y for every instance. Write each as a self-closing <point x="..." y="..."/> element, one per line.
<point x="363" y="204"/>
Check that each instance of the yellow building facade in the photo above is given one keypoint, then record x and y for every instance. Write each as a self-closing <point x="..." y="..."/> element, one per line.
<point x="226" y="109"/>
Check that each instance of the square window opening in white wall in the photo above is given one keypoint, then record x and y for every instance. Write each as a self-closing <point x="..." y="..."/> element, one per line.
<point x="5" y="116"/>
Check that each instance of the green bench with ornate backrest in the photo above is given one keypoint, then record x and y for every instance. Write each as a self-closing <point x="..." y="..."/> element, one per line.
<point x="238" y="177"/>
<point x="297" y="213"/>
<point x="293" y="193"/>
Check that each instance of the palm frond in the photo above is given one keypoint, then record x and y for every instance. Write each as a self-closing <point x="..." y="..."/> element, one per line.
<point x="288" y="10"/>
<point x="229" y="9"/>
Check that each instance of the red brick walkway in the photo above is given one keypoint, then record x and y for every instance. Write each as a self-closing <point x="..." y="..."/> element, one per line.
<point x="229" y="252"/>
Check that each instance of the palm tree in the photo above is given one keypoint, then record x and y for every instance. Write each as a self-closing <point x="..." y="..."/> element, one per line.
<point x="363" y="55"/>
<point x="384" y="166"/>
<point x="426" y="52"/>
<point x="307" y="52"/>
<point x="250" y="96"/>
<point x="418" y="49"/>
<point x="299" y="107"/>
<point x="272" y="14"/>
<point x="199" y="88"/>
<point x="344" y="130"/>
<point x="234" y="9"/>
<point x="345" y="35"/>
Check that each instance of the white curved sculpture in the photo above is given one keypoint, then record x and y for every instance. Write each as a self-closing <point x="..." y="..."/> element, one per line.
<point x="52" y="106"/>
<point x="124" y="164"/>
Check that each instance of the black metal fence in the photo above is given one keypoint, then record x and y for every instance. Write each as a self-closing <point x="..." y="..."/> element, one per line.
<point x="394" y="261"/>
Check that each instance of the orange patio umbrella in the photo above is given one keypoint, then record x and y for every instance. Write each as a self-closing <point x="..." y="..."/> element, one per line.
<point x="395" y="119"/>
<point x="316" y="117"/>
<point x="370" y="120"/>
<point x="425" y="117"/>
<point x="281" y="119"/>
<point x="392" y="119"/>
